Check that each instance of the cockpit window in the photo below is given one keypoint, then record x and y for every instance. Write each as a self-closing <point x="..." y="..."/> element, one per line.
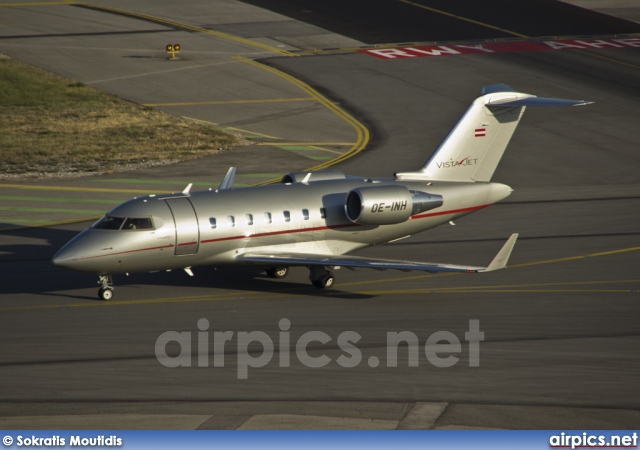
<point x="109" y="223"/>
<point x="130" y="223"/>
<point x="138" y="223"/>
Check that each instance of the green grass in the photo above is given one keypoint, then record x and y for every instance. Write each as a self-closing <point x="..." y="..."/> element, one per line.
<point x="51" y="126"/>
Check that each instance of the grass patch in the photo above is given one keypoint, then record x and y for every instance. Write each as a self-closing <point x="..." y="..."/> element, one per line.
<point x="51" y="126"/>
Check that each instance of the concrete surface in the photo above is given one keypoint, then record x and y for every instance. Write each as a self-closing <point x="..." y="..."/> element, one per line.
<point x="561" y="348"/>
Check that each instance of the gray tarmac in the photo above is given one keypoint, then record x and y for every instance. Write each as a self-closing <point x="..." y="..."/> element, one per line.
<point x="561" y="332"/>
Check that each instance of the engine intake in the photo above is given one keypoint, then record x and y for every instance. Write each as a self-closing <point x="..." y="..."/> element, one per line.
<point x="386" y="205"/>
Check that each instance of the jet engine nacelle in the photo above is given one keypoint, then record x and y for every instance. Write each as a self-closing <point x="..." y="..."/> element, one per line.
<point x="386" y="205"/>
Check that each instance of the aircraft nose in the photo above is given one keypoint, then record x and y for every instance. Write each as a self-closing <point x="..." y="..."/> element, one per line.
<point x="64" y="258"/>
<point x="70" y="256"/>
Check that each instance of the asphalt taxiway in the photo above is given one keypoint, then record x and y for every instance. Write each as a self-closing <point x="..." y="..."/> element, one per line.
<point x="561" y="334"/>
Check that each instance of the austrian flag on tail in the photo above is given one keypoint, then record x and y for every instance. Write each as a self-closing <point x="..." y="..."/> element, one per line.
<point x="481" y="132"/>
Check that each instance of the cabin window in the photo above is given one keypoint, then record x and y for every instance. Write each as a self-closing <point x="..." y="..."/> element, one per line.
<point x="212" y="222"/>
<point x="249" y="218"/>
<point x="305" y="214"/>
<point x="287" y="216"/>
<point x="109" y="223"/>
<point x="323" y="213"/>
<point x="232" y="221"/>
<point x="267" y="217"/>
<point x="138" y="223"/>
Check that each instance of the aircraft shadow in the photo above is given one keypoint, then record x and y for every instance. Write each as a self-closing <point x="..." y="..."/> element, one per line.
<point x="252" y="278"/>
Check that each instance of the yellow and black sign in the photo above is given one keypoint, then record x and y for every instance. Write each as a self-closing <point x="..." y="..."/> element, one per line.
<point x="172" y="50"/>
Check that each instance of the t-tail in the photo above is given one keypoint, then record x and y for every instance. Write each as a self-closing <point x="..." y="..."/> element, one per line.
<point x="474" y="147"/>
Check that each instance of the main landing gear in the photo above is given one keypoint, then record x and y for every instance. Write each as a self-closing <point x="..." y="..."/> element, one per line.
<point x="321" y="277"/>
<point x="277" y="271"/>
<point x="106" y="287"/>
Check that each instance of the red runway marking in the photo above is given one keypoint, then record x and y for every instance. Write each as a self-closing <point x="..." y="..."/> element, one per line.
<point x="423" y="51"/>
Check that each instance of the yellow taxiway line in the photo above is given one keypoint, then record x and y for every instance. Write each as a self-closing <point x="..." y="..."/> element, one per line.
<point x="507" y="288"/>
<point x="466" y="19"/>
<point x="234" y="102"/>
<point x="361" y="131"/>
<point x="81" y="189"/>
<point x="36" y="4"/>
<point x="252" y="295"/>
<point x="184" y="26"/>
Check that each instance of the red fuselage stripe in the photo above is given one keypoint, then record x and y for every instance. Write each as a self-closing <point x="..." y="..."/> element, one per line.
<point x="453" y="211"/>
<point x="347" y="225"/>
<point x="126" y="252"/>
<point x="276" y="233"/>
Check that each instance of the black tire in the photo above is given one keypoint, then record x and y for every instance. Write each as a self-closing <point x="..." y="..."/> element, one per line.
<point x="277" y="271"/>
<point x="329" y="281"/>
<point x="325" y="282"/>
<point x="105" y="294"/>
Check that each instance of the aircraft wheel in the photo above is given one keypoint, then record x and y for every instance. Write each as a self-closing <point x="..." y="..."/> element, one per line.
<point x="277" y="271"/>
<point x="105" y="294"/>
<point x="325" y="282"/>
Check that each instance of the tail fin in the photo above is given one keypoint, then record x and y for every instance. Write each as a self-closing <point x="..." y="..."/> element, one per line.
<point x="474" y="147"/>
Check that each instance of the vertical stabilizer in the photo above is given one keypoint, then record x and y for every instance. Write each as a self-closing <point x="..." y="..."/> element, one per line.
<point x="474" y="147"/>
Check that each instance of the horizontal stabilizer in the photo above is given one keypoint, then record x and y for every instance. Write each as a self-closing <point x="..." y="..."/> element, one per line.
<point x="537" y="101"/>
<point x="498" y="87"/>
<point x="308" y="259"/>
<point x="529" y="100"/>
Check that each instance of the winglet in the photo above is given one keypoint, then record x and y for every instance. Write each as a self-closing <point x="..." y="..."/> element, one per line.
<point x="187" y="189"/>
<point x="500" y="261"/>
<point x="227" y="183"/>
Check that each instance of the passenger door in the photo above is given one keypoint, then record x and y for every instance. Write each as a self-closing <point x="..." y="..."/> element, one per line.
<point x="187" y="229"/>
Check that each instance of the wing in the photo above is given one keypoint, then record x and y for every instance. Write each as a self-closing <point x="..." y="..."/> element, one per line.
<point x="353" y="262"/>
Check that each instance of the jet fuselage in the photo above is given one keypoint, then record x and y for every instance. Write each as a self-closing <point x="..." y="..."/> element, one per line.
<point x="173" y="231"/>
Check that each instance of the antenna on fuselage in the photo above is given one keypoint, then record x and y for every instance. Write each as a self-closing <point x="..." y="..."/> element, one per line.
<point x="227" y="183"/>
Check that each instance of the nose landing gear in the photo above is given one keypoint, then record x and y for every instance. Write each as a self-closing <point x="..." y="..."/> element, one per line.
<point x="106" y="287"/>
